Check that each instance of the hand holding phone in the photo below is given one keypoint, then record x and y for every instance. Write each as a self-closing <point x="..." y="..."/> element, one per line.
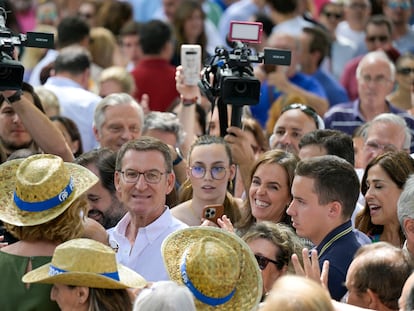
<point x="213" y="212"/>
<point x="191" y="63"/>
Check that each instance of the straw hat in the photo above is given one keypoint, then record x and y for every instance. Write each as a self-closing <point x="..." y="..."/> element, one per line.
<point x="218" y="267"/>
<point x="40" y="188"/>
<point x="85" y="262"/>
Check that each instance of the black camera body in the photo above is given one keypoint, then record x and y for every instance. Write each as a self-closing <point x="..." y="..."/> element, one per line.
<point x="234" y="82"/>
<point x="11" y="71"/>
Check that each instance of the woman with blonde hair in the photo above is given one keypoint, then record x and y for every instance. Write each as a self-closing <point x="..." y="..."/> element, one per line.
<point x="42" y="200"/>
<point x="210" y="172"/>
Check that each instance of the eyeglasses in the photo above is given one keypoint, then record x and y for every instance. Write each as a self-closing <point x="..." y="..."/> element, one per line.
<point x="306" y="109"/>
<point x="217" y="172"/>
<point x="402" y="5"/>
<point x="264" y="261"/>
<point x="405" y="70"/>
<point x="332" y="14"/>
<point x="377" y="79"/>
<point x="375" y="146"/>
<point x="377" y="38"/>
<point x="150" y="176"/>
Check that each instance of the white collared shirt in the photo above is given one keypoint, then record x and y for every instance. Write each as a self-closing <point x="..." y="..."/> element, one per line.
<point x="144" y="256"/>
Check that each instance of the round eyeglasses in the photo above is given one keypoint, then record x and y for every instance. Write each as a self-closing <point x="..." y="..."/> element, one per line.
<point x="216" y="172"/>
<point x="150" y="176"/>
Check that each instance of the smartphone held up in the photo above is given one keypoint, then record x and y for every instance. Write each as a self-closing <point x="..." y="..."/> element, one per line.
<point x="191" y="63"/>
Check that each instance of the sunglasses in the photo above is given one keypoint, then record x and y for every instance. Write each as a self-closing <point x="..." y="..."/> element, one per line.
<point x="405" y="70"/>
<point x="377" y="38"/>
<point x="402" y="5"/>
<point x="331" y="14"/>
<point x="264" y="261"/>
<point x="306" y="109"/>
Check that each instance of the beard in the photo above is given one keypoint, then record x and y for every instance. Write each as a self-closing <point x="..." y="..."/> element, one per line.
<point x="10" y="146"/>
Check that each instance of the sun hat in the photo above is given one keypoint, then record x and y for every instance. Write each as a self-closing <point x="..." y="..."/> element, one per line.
<point x="39" y="188"/>
<point x="85" y="262"/>
<point x="217" y="266"/>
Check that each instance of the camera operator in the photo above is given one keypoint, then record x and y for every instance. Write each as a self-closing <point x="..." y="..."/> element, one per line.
<point x="23" y="124"/>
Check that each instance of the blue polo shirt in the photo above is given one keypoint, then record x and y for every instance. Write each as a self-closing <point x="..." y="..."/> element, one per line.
<point x="347" y="117"/>
<point x="339" y="247"/>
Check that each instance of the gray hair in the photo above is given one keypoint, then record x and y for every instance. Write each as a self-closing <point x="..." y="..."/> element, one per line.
<point x="391" y="118"/>
<point x="165" y="296"/>
<point x="406" y="202"/>
<point x="372" y="57"/>
<point x="114" y="100"/>
<point x="166" y="122"/>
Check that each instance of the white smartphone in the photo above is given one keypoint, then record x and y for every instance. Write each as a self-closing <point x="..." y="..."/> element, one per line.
<point x="191" y="62"/>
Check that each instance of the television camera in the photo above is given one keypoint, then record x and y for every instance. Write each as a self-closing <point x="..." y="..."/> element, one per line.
<point x="233" y="80"/>
<point x="11" y="70"/>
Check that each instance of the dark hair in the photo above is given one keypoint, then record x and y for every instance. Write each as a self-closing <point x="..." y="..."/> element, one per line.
<point x="72" y="130"/>
<point x="253" y="126"/>
<point x="130" y="28"/>
<point x="73" y="59"/>
<point x="26" y="87"/>
<point x="145" y="143"/>
<point x="114" y="14"/>
<point x="335" y="143"/>
<point x="334" y="178"/>
<point x="380" y="20"/>
<point x="72" y="30"/>
<point x="104" y="160"/>
<point x="398" y="166"/>
<point x="320" y="41"/>
<point x="154" y="35"/>
<point x="283" y="6"/>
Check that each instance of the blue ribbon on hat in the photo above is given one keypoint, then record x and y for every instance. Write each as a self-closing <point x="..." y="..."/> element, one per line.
<point x="55" y="271"/>
<point x="212" y="301"/>
<point x="46" y="204"/>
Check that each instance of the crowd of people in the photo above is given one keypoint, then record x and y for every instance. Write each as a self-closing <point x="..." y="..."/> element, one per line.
<point x="123" y="188"/>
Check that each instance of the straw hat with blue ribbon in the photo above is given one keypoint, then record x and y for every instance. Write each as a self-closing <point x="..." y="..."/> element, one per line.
<point x="85" y="262"/>
<point x="218" y="267"/>
<point x="39" y="188"/>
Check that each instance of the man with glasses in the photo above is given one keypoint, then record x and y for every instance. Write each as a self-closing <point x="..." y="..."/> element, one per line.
<point x="399" y="12"/>
<point x="375" y="76"/>
<point x="378" y="37"/>
<point x="143" y="178"/>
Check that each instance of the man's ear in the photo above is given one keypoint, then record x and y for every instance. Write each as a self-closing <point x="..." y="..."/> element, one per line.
<point x="409" y="226"/>
<point x="374" y="302"/>
<point x="335" y="209"/>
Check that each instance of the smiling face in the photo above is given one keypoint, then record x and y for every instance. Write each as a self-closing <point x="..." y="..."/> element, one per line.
<point x="269" y="192"/>
<point x="381" y="196"/>
<point x="144" y="200"/>
<point x="207" y="188"/>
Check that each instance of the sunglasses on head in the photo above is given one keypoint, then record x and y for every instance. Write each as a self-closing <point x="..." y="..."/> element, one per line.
<point x="332" y="14"/>
<point x="377" y="38"/>
<point x="405" y="70"/>
<point x="264" y="261"/>
<point x="306" y="109"/>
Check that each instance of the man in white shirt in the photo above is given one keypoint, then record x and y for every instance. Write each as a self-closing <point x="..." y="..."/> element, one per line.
<point x="143" y="178"/>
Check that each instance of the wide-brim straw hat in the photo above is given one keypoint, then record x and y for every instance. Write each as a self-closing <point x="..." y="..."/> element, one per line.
<point x="39" y="188"/>
<point x="85" y="262"/>
<point x="218" y="267"/>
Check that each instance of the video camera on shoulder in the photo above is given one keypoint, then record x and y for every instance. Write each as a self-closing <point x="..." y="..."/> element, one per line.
<point x="234" y="81"/>
<point x="11" y="71"/>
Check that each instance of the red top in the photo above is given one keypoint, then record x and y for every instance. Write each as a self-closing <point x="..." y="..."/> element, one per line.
<point x="155" y="77"/>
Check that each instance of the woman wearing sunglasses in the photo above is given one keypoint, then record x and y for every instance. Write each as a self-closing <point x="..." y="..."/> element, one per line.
<point x="401" y="97"/>
<point x="210" y="172"/>
<point x="273" y="246"/>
